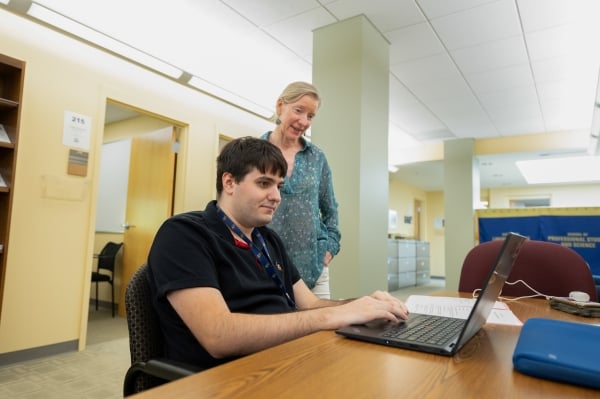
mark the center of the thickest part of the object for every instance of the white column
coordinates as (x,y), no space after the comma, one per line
(350,69)
(461,197)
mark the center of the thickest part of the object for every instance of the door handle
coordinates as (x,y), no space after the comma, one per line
(127,226)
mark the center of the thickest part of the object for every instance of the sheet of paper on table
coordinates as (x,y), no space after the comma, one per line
(459,308)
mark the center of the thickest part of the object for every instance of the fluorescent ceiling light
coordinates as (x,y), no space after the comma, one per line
(4,1)
(561,170)
(91,35)
(230,97)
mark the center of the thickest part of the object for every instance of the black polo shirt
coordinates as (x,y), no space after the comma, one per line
(196,249)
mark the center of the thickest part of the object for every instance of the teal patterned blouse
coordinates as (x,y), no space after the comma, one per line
(307,218)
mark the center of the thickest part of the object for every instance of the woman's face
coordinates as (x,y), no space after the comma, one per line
(296,117)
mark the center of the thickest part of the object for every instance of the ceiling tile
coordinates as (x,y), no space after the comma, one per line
(519,126)
(435,67)
(385,14)
(543,14)
(296,32)
(488,22)
(475,124)
(400,96)
(513,97)
(432,90)
(412,42)
(267,12)
(417,119)
(501,79)
(529,111)
(437,8)
(491,55)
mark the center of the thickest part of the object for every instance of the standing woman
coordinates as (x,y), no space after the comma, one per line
(307,218)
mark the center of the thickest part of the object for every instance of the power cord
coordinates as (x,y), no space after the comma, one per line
(537,293)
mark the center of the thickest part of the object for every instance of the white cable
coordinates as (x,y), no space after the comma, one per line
(537,293)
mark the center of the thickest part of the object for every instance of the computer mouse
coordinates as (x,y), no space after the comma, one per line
(579,296)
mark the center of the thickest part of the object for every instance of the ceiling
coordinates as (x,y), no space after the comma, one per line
(458,69)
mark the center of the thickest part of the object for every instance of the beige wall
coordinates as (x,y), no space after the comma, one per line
(401,199)
(52,241)
(575,195)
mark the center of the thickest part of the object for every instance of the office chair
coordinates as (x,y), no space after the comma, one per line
(148,367)
(547,267)
(106,262)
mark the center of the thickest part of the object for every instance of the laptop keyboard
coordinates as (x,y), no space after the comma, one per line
(431,330)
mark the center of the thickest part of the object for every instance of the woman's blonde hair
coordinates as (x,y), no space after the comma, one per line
(294,91)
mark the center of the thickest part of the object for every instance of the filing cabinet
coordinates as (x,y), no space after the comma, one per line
(392,263)
(408,263)
(422,263)
(407,252)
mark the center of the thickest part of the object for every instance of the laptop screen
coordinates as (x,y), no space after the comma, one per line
(495,281)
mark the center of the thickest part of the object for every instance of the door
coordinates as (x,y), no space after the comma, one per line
(417,205)
(149,198)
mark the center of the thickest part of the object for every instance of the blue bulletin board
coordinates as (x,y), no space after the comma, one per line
(578,232)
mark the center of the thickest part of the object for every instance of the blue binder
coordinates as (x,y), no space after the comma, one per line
(559,350)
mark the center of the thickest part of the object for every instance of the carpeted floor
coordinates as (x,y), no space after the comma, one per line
(95,373)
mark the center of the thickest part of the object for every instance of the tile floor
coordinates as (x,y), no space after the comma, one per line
(97,372)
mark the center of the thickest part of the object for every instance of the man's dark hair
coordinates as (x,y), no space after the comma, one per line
(241,155)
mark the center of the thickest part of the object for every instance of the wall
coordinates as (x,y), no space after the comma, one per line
(401,199)
(52,241)
(575,195)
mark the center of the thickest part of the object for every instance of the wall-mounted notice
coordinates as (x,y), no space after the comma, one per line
(78,163)
(76,130)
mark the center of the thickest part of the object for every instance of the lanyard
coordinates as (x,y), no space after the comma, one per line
(262,256)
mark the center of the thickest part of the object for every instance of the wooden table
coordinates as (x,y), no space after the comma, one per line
(325,365)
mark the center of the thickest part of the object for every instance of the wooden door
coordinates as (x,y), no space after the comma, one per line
(417,205)
(149,198)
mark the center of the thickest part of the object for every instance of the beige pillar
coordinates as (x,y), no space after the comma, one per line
(350,68)
(461,197)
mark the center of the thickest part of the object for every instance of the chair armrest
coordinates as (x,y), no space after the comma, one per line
(160,368)
(168,370)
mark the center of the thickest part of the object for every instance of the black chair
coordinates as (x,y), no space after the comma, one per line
(148,367)
(106,262)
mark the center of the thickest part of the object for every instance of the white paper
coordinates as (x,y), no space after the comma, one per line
(3,135)
(76,131)
(459,308)
(2,182)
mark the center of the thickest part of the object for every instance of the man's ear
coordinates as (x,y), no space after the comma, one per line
(228,182)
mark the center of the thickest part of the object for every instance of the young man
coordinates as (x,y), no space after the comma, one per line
(222,283)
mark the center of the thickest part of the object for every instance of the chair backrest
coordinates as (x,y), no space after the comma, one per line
(549,268)
(108,256)
(145,336)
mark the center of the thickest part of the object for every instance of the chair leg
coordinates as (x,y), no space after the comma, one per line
(96,295)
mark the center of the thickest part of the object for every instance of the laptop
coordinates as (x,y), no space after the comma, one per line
(439,334)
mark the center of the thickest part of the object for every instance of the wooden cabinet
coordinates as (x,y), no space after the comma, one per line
(11,89)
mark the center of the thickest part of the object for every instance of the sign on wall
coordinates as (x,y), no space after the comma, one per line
(578,232)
